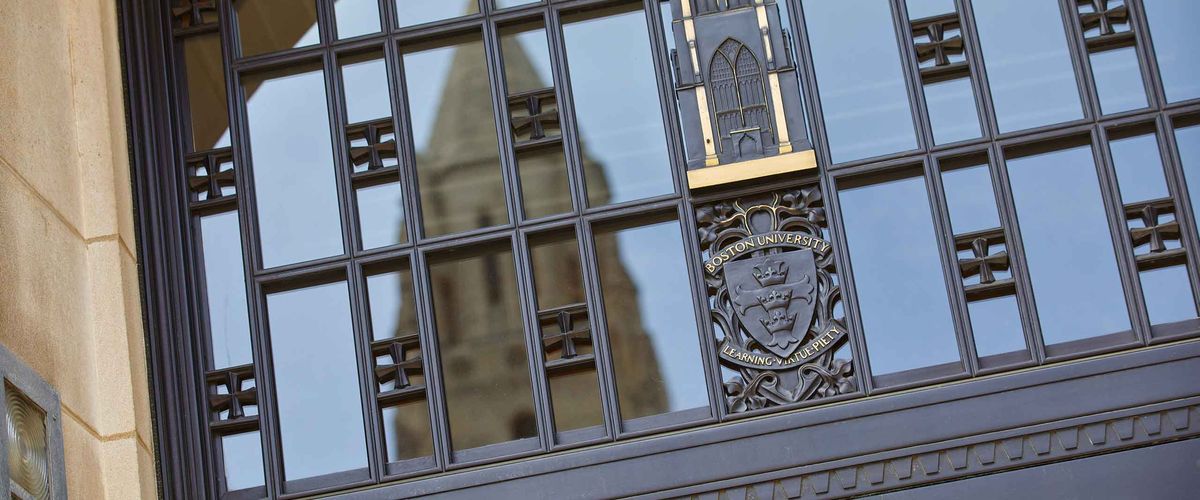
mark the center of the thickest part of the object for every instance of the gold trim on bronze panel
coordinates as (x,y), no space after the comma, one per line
(753,169)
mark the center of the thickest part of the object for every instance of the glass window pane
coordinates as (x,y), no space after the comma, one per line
(242,457)
(952,113)
(225,289)
(476,304)
(970,199)
(295,188)
(316,381)
(558,281)
(501,4)
(1027,61)
(1188,141)
(889,230)
(458,160)
(1168,295)
(545,187)
(406,431)
(393,305)
(356,17)
(365,88)
(1175,38)
(381,216)
(1118,80)
(623,145)
(918,9)
(651,320)
(996,326)
(860,80)
(1068,246)
(414,12)
(1139,168)
(273,25)
(207,106)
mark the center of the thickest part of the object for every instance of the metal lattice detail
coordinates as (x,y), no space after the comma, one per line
(984,263)
(401,364)
(779,265)
(1152,224)
(1105,16)
(534,117)
(211,175)
(233,399)
(192,13)
(564,331)
(736,84)
(939,47)
(372,145)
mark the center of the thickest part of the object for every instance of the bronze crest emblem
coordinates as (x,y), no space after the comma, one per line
(775,296)
(775,300)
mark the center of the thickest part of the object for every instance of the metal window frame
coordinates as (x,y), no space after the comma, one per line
(166,240)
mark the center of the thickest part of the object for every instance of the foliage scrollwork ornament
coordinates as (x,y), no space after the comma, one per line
(775,300)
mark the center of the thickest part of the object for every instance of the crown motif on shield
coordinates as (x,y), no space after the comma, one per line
(772,272)
(779,322)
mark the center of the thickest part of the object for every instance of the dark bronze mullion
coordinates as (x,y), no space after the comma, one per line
(1177,186)
(435,397)
(1119,229)
(951,273)
(534,354)
(974,54)
(1013,244)
(200,328)
(686,211)
(405,148)
(583,232)
(361,319)
(1080,62)
(1077,46)
(517,244)
(566,109)
(912,75)
(1147,59)
(829,186)
(933,184)
(248,216)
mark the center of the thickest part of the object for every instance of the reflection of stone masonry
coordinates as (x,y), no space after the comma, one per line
(456,170)
(775,300)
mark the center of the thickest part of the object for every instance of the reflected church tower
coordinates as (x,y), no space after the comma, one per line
(461,189)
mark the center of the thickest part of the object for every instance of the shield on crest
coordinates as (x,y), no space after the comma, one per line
(775,297)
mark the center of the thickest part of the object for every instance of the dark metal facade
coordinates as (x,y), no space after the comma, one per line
(868,433)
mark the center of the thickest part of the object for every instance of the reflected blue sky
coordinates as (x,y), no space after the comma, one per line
(996,326)
(1168,295)
(1139,168)
(1188,141)
(1118,80)
(652,256)
(366,90)
(898,271)
(225,287)
(898,276)
(295,188)
(356,17)
(1175,38)
(861,84)
(1028,65)
(617,106)
(316,381)
(970,199)
(1068,246)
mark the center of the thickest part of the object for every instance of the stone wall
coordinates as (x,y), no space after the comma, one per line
(69,303)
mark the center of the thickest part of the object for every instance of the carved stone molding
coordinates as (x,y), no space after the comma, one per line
(976,455)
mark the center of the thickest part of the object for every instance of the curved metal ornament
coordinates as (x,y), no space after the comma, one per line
(774,299)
